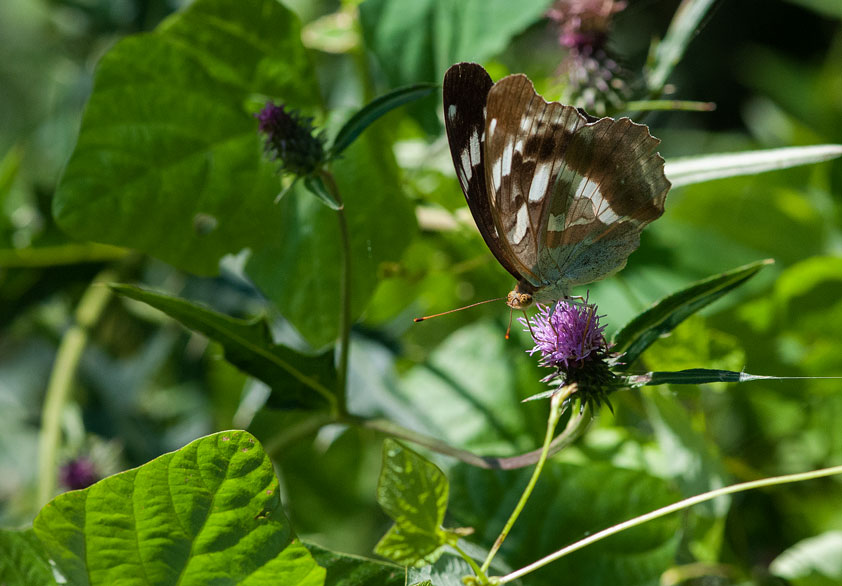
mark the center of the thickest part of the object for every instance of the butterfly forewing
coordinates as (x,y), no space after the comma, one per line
(526,140)
(466,87)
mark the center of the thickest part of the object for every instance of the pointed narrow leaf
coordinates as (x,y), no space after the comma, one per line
(670,50)
(815,561)
(696,376)
(317,187)
(689,170)
(297,381)
(670,311)
(413,492)
(23,561)
(375,109)
(209,513)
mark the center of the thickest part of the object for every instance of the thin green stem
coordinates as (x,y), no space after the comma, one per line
(663,511)
(673,105)
(344,296)
(552,421)
(73,343)
(574,429)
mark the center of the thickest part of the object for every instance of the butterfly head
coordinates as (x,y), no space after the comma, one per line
(520,297)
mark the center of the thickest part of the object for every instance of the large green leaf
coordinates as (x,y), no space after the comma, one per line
(348,570)
(168,159)
(299,268)
(23,561)
(297,381)
(209,513)
(413,492)
(665,314)
(570,502)
(417,41)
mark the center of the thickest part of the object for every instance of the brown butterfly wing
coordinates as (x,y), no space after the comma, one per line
(526,142)
(466,87)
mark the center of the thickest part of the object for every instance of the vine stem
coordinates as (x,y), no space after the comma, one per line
(663,511)
(556,407)
(344,296)
(574,429)
(73,342)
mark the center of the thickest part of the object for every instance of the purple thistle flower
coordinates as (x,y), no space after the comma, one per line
(291,140)
(572,342)
(78,473)
(592,78)
(566,335)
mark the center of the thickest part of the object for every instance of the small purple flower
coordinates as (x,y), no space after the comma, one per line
(571,341)
(290,139)
(78,473)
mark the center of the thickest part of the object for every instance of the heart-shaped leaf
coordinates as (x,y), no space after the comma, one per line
(207,513)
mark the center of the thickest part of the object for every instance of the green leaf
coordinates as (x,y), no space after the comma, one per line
(317,187)
(670,311)
(22,560)
(207,513)
(570,502)
(697,376)
(297,381)
(417,41)
(690,170)
(348,570)
(665,55)
(299,267)
(816,561)
(413,492)
(374,110)
(168,135)
(829,8)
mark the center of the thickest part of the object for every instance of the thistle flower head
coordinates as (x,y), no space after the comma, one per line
(592,79)
(291,139)
(571,341)
(78,473)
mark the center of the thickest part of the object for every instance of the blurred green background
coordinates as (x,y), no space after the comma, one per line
(146,386)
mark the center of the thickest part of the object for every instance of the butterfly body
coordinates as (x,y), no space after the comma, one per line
(560,198)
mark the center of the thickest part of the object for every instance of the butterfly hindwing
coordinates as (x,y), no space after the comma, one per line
(466,87)
(614,185)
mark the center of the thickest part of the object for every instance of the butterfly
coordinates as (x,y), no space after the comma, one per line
(559,197)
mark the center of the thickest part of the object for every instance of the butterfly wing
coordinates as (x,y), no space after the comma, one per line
(571,194)
(466,87)
(611,186)
(526,142)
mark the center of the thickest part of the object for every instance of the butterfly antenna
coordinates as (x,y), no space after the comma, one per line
(509,328)
(418,319)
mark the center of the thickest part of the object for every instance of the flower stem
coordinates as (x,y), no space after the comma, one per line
(556,404)
(663,511)
(73,342)
(344,296)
